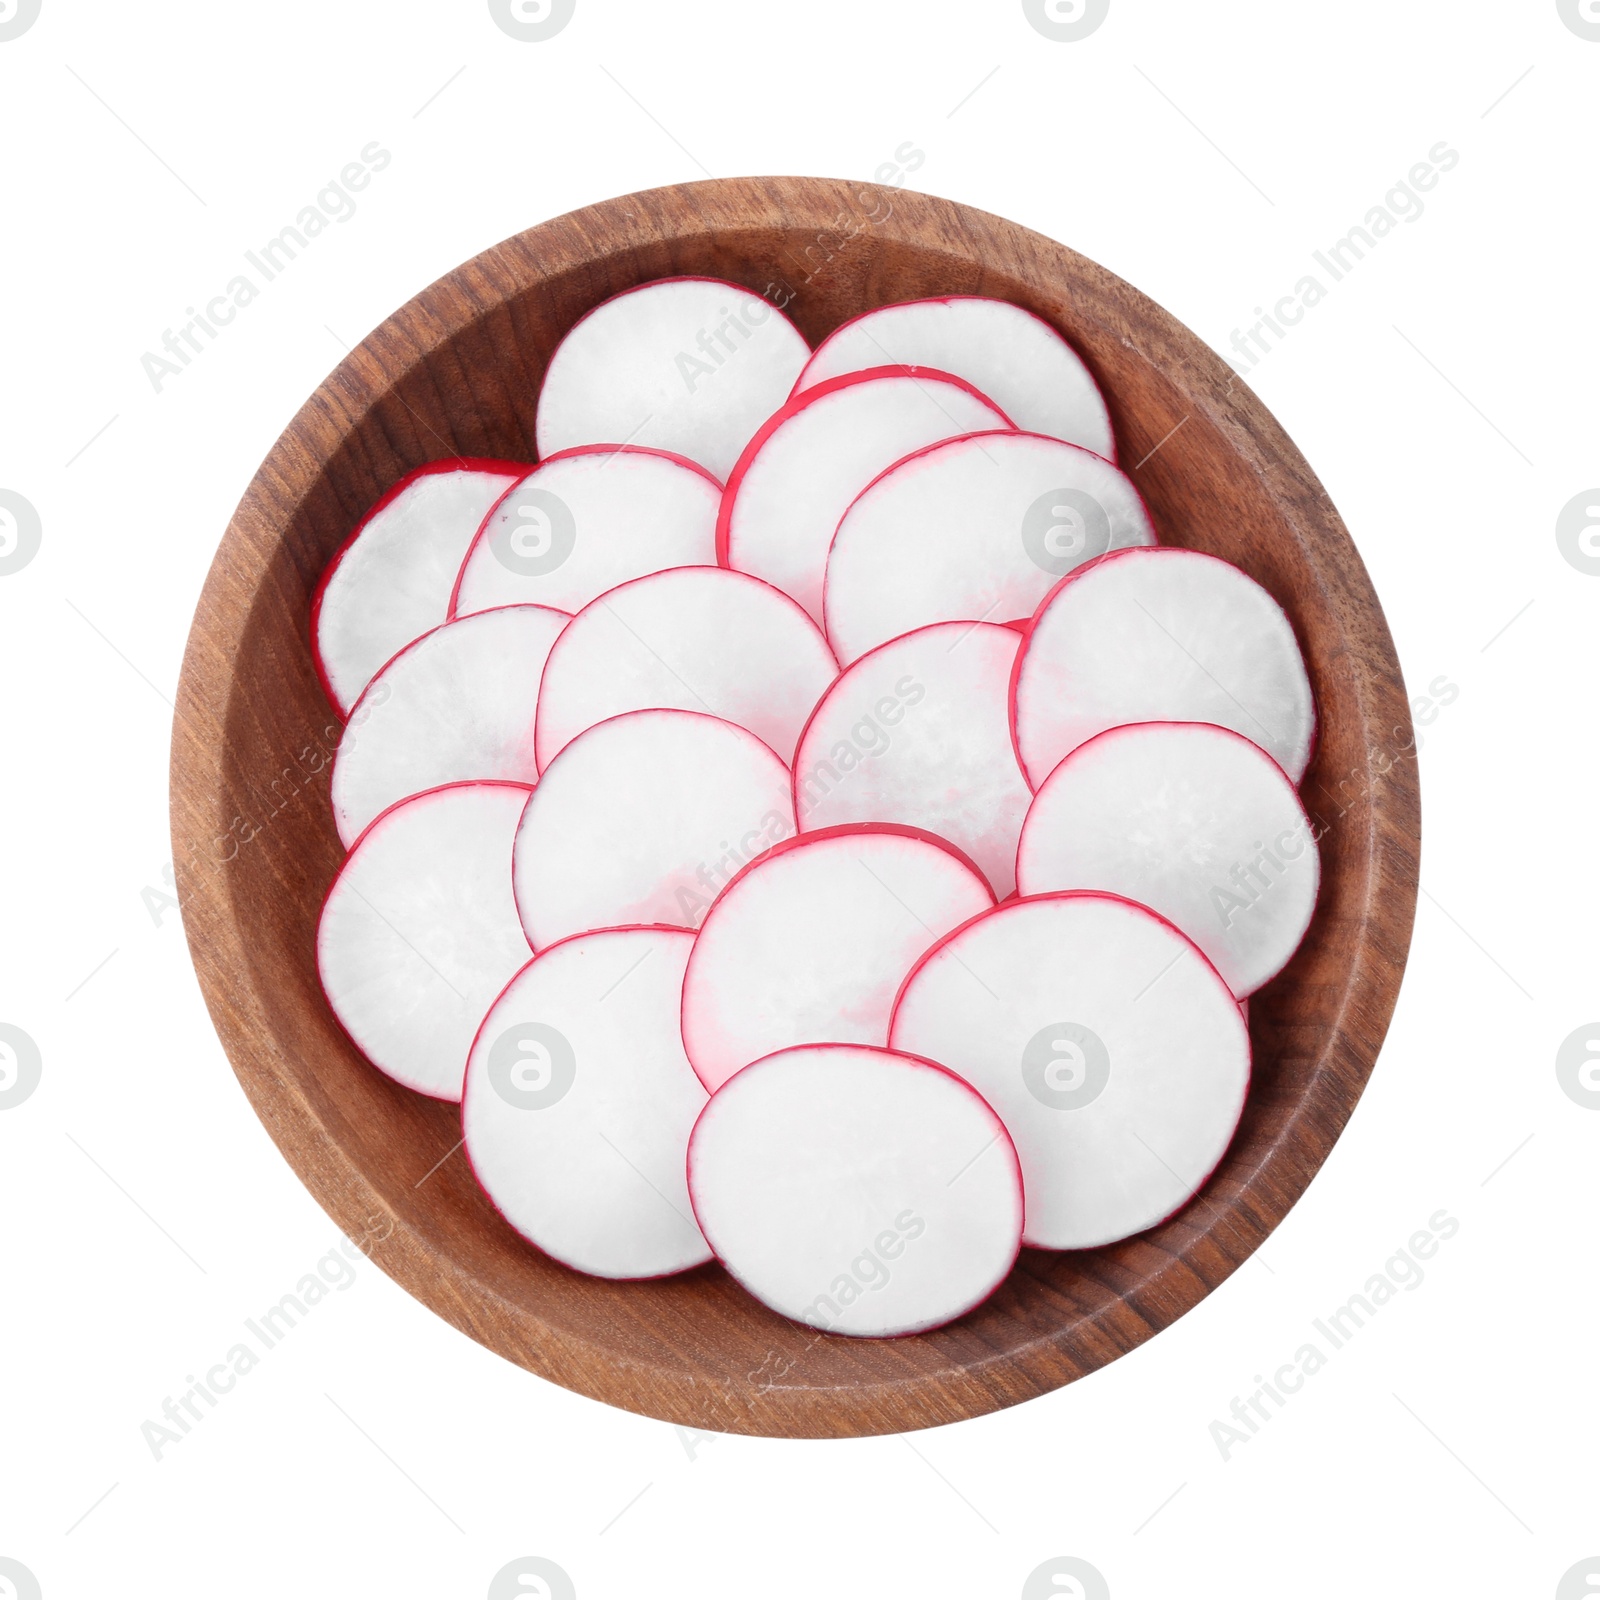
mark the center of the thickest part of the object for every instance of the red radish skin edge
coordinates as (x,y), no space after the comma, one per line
(902,1055)
(797,403)
(950,300)
(626,927)
(1097,894)
(428,469)
(1232,733)
(1112,555)
(1021,625)
(835,831)
(1011,719)
(564,455)
(467,783)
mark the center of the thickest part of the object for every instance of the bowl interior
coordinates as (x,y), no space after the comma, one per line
(457,372)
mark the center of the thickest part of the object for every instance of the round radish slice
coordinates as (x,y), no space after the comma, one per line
(975,529)
(809,944)
(695,639)
(1105,1040)
(1160,636)
(586,521)
(856,1190)
(579,1103)
(811,459)
(390,581)
(685,364)
(420,932)
(1191,820)
(916,732)
(1008,353)
(642,819)
(458,703)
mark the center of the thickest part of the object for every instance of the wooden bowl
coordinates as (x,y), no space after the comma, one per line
(456,372)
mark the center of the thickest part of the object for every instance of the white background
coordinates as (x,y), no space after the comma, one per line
(1440,393)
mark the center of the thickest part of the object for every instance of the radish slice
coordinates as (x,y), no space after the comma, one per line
(809,943)
(579,1103)
(1191,820)
(1160,636)
(390,580)
(1105,1040)
(798,475)
(1008,353)
(458,703)
(916,732)
(856,1190)
(586,521)
(697,639)
(975,529)
(419,932)
(684,364)
(642,819)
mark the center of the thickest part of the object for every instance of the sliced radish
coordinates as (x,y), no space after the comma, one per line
(579,1103)
(697,639)
(812,458)
(642,819)
(685,364)
(391,579)
(916,732)
(585,521)
(856,1190)
(1160,636)
(1105,1040)
(974,529)
(420,932)
(1191,820)
(458,703)
(809,943)
(1011,355)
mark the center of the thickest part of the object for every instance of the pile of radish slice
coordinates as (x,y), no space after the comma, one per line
(808,821)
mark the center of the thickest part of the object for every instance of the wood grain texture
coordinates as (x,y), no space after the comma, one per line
(457,371)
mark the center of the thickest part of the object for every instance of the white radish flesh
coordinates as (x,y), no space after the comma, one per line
(419,932)
(798,475)
(456,704)
(916,732)
(975,529)
(1105,1040)
(810,942)
(691,365)
(694,639)
(1160,635)
(642,819)
(585,521)
(1191,820)
(579,1103)
(856,1190)
(1016,358)
(391,580)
